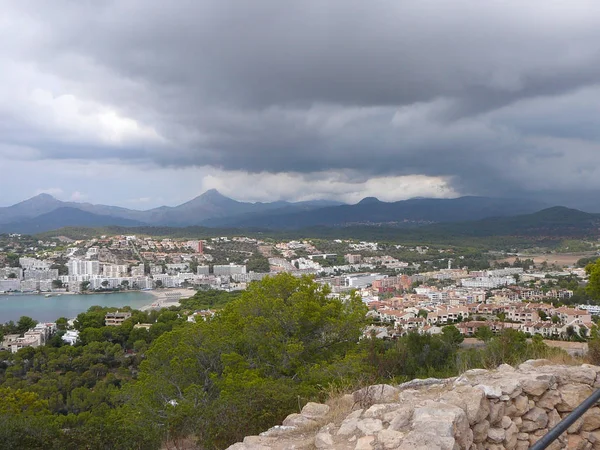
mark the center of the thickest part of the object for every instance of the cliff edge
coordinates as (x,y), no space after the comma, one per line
(505,408)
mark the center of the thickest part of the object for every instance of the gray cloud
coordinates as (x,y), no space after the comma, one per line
(496,98)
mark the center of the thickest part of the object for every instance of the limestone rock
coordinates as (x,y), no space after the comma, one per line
(496,435)
(426,441)
(506,422)
(380,410)
(521,404)
(591,419)
(323,440)
(480,431)
(549,400)
(348,427)
(401,418)
(389,439)
(535,419)
(369,426)
(297,421)
(315,410)
(496,412)
(538,384)
(470,399)
(365,443)
(572,396)
(447,421)
(511,436)
(379,393)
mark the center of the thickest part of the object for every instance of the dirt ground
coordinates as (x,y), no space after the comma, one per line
(559,259)
(573,348)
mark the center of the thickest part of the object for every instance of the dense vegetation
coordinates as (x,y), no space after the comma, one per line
(269,350)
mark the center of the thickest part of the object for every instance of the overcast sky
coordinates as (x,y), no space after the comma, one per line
(140,103)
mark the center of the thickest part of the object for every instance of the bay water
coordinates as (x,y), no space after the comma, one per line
(48,309)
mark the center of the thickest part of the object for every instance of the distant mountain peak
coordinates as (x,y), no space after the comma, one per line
(43,196)
(213,194)
(368,200)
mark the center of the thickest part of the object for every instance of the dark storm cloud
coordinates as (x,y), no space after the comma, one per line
(497,97)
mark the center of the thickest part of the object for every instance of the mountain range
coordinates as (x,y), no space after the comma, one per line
(212,209)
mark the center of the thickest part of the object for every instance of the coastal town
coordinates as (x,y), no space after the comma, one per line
(424,291)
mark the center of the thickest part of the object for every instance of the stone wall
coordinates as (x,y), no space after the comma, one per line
(506,408)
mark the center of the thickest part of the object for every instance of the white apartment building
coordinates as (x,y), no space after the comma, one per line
(487,282)
(138,271)
(229,269)
(114,270)
(82,267)
(33,263)
(203,270)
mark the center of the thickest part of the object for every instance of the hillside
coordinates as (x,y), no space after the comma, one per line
(209,205)
(551,222)
(506,408)
(62,217)
(405,213)
(546,227)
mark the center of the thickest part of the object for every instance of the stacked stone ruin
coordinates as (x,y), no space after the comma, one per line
(506,408)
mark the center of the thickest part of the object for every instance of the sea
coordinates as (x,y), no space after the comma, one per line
(48,309)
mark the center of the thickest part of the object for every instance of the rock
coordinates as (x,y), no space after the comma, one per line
(348,427)
(470,399)
(389,439)
(576,442)
(517,421)
(278,430)
(315,410)
(535,419)
(506,422)
(537,385)
(364,443)
(496,435)
(591,419)
(505,368)
(510,436)
(572,396)
(323,440)
(521,404)
(490,391)
(355,414)
(580,374)
(496,412)
(549,400)
(553,418)
(447,421)
(426,441)
(426,382)
(369,426)
(379,393)
(522,445)
(379,411)
(401,418)
(480,431)
(297,421)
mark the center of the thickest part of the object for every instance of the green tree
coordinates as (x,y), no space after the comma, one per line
(593,273)
(484,333)
(243,370)
(62,323)
(57,284)
(25,323)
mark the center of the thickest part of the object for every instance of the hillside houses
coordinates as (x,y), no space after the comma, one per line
(414,312)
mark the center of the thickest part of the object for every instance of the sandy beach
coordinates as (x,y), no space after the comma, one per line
(165,298)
